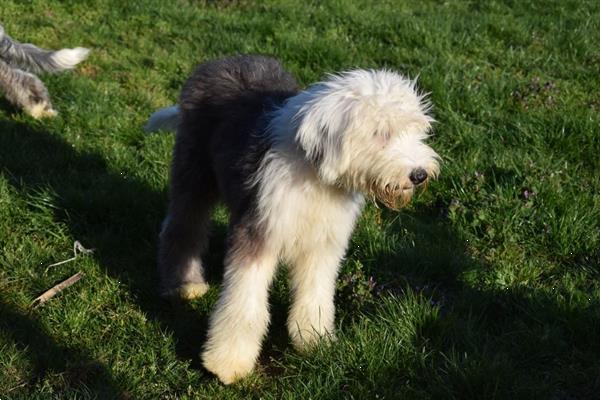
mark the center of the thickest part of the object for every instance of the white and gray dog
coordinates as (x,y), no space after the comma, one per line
(23,88)
(293,167)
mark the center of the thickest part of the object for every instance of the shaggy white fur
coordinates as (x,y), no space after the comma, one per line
(69,58)
(356,134)
(240,319)
(367,131)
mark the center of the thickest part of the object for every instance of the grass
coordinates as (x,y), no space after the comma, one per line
(487,286)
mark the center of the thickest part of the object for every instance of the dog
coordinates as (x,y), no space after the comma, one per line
(294,168)
(19,62)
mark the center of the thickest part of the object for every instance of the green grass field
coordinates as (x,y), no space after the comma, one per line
(486,286)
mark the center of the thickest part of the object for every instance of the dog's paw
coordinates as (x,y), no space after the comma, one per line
(41,110)
(187,291)
(228,368)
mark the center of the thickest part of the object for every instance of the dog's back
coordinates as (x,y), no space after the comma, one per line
(228,89)
(235,87)
(224,109)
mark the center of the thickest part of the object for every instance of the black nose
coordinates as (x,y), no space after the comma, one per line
(417,176)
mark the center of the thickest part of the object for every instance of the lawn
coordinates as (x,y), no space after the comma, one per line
(486,286)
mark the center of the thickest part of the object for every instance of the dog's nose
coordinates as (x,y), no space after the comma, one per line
(417,176)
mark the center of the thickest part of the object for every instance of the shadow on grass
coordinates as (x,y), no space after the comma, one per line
(487,342)
(106,210)
(74,366)
(518,342)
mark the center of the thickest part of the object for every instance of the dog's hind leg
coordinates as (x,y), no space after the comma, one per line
(184,235)
(26,91)
(241,317)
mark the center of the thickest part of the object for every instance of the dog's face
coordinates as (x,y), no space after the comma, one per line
(366,131)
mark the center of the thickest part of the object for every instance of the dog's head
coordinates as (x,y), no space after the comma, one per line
(365,130)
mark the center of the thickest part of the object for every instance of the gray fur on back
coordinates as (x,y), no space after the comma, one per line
(225,106)
(18,64)
(21,87)
(26,56)
(221,139)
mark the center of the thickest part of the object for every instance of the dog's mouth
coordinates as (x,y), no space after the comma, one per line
(395,196)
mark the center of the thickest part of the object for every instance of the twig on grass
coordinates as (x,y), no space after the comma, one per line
(20,385)
(77,249)
(48,294)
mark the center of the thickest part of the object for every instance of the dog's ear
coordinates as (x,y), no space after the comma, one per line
(320,123)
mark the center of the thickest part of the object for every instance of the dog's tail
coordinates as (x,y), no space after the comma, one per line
(165,119)
(32,58)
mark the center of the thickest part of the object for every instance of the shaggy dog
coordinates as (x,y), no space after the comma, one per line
(23,89)
(293,167)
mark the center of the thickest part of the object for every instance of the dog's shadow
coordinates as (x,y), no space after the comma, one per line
(46,355)
(8,106)
(425,255)
(109,211)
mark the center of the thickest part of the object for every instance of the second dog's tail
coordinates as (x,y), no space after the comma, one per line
(34,59)
(165,119)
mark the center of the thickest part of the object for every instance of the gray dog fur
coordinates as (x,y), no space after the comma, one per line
(19,62)
(293,167)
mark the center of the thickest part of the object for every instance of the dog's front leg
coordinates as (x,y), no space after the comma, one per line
(312,281)
(241,317)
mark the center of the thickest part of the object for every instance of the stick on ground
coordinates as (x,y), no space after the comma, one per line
(48,294)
